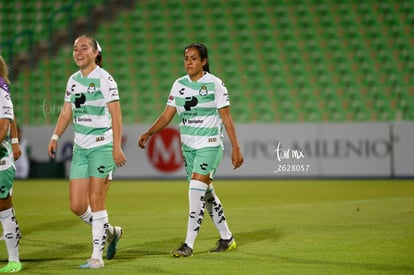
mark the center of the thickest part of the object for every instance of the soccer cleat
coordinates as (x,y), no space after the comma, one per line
(225,245)
(92,264)
(12,267)
(113,242)
(183,251)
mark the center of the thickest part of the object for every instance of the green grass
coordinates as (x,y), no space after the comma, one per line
(281,227)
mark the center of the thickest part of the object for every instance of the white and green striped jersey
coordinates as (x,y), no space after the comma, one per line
(89,97)
(197,105)
(6,111)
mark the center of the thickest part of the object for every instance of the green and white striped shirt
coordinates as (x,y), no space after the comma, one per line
(197,105)
(89,97)
(6,111)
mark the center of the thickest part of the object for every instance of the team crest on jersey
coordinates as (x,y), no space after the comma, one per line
(91,88)
(203,91)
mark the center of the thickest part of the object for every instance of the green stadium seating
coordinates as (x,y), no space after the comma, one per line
(287,61)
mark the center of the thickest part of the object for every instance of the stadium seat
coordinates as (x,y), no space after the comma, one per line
(304,61)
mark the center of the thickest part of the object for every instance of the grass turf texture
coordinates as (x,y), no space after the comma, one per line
(281,227)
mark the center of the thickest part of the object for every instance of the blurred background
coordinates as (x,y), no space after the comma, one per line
(304,61)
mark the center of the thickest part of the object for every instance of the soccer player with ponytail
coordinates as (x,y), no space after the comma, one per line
(92,103)
(202,103)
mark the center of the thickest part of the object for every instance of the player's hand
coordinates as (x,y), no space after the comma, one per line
(119,156)
(142,140)
(17,152)
(237,158)
(51,149)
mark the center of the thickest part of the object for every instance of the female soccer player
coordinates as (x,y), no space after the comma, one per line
(202,103)
(8,220)
(92,102)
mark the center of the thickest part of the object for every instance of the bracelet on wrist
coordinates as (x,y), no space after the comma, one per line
(14,141)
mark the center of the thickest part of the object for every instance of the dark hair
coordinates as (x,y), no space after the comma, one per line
(98,59)
(202,51)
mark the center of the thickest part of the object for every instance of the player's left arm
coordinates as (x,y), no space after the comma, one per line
(223,105)
(236,156)
(114,108)
(14,136)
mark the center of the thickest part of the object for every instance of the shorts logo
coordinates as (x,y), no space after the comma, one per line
(101,169)
(203,166)
(99,139)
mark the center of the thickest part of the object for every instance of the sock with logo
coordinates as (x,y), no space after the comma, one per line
(216,212)
(11,233)
(196,193)
(99,231)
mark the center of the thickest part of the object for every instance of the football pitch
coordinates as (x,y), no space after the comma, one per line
(281,227)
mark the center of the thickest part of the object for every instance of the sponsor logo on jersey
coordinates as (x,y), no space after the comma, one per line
(181,92)
(114,92)
(191,101)
(192,121)
(7,110)
(100,139)
(213,139)
(84,119)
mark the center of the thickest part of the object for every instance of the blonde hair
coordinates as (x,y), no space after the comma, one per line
(4,70)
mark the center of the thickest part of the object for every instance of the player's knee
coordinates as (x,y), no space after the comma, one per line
(78,209)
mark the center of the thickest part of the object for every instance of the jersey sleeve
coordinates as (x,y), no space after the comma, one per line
(222,95)
(109,89)
(6,110)
(171,97)
(68,91)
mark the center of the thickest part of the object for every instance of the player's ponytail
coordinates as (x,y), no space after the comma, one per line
(202,51)
(98,59)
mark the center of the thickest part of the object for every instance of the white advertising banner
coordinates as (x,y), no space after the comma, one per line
(355,150)
(403,141)
(270,150)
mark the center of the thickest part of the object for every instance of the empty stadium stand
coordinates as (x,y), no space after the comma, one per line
(282,61)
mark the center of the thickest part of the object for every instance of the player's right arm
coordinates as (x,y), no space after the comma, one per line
(61,125)
(162,121)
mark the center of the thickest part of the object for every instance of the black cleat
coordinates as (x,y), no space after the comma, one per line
(225,245)
(183,251)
